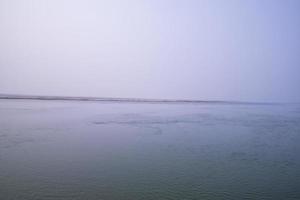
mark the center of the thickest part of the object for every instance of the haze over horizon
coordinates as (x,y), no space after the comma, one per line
(206,50)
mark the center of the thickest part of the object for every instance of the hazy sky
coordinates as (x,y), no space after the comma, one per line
(245,50)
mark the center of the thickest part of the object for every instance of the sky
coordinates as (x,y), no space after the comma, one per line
(242,50)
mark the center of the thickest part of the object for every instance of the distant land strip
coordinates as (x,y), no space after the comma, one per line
(125,100)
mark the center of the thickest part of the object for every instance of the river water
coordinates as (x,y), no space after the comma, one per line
(115,151)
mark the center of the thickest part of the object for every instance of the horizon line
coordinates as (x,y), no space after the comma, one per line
(123,99)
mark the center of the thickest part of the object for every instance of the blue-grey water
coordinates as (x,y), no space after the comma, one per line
(115,151)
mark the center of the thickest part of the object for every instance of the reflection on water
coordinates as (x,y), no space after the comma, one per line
(90,150)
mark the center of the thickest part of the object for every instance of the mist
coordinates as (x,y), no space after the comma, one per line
(208,50)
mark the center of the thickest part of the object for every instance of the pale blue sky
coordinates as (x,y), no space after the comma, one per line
(191,49)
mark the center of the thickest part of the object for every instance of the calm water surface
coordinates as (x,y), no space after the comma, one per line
(110,151)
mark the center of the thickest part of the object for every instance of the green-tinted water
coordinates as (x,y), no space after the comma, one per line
(84,150)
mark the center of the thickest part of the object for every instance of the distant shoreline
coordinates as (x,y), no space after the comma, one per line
(125,100)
